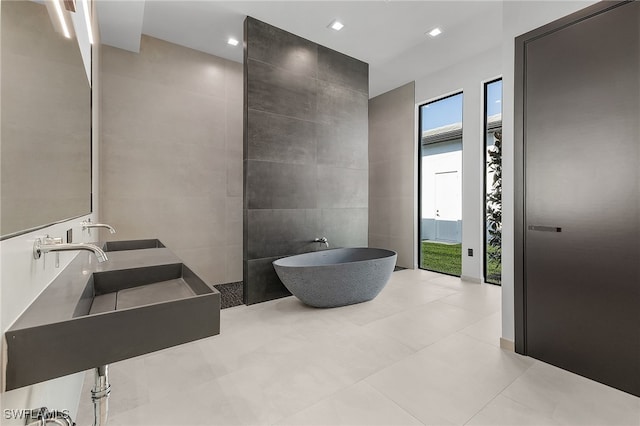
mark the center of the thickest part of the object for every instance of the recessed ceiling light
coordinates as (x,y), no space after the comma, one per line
(435,32)
(232,41)
(336,25)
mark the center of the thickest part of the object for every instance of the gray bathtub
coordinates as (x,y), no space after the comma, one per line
(336,277)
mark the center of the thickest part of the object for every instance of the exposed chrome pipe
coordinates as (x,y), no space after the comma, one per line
(100,396)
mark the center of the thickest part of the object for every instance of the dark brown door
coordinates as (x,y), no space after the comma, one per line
(582,197)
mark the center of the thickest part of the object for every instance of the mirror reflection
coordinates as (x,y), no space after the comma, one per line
(45,157)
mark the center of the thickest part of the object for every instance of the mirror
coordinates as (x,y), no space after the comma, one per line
(45,152)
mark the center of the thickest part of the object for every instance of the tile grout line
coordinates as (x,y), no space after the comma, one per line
(498,394)
(413,307)
(527,406)
(392,401)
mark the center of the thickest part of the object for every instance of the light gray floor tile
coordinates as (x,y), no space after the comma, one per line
(426,350)
(359,404)
(480,298)
(488,329)
(573,400)
(502,411)
(452,379)
(423,325)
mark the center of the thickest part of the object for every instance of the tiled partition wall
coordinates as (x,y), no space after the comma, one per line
(392,155)
(305,152)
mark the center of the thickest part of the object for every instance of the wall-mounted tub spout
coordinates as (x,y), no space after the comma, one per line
(322,240)
(47,244)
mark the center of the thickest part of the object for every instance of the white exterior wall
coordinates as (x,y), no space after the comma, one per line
(443,157)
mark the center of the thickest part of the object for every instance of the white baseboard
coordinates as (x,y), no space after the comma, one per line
(507,344)
(471,279)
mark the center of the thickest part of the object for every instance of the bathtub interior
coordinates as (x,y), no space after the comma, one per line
(334,257)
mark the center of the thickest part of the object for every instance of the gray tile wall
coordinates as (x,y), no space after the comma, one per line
(392,156)
(306,169)
(171,156)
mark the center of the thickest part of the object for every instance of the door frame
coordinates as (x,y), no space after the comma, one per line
(520,284)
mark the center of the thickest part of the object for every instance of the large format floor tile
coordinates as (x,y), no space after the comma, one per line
(573,400)
(425,351)
(423,325)
(359,404)
(486,329)
(502,411)
(451,379)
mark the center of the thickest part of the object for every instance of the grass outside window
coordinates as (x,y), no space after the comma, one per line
(447,258)
(441,257)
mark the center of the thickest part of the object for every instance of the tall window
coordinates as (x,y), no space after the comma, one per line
(440,183)
(493,181)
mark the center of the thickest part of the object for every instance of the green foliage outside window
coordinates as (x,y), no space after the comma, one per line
(494,212)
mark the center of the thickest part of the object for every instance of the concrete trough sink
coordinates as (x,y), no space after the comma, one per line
(115,315)
(125,245)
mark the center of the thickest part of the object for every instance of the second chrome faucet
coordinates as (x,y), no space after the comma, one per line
(87,224)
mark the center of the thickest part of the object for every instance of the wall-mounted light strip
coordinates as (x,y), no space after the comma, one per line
(87,18)
(63,23)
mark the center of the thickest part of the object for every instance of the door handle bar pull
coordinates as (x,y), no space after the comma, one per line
(544,228)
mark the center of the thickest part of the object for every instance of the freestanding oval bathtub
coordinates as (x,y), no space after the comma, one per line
(337,277)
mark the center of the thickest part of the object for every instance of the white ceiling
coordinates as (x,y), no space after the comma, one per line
(389,35)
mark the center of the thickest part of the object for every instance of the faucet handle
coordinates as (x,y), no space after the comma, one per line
(51,240)
(46,240)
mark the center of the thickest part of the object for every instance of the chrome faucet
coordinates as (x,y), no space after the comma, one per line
(48,244)
(86,224)
(322,240)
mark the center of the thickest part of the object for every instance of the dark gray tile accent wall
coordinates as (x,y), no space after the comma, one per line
(306,169)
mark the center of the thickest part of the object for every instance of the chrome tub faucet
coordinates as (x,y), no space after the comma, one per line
(322,240)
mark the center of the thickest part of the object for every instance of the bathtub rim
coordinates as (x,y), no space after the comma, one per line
(389,254)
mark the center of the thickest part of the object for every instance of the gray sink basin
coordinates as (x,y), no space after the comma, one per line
(132,245)
(130,288)
(119,314)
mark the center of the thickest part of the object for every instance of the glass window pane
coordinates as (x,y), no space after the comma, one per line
(493,182)
(440,224)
